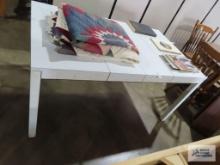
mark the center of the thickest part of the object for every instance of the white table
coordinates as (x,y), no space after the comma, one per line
(47,64)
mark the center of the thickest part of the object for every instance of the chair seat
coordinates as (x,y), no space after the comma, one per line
(189,54)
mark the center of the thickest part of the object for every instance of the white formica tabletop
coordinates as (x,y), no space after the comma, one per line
(150,69)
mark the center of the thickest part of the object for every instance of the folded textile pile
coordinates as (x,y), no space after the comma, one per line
(79,33)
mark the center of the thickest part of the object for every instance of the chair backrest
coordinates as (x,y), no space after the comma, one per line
(200,32)
(206,58)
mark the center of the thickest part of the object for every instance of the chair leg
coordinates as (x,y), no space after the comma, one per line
(173,107)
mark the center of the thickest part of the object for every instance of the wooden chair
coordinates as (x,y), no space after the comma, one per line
(210,114)
(206,58)
(174,156)
(200,32)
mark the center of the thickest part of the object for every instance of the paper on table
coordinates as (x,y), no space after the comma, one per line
(165,46)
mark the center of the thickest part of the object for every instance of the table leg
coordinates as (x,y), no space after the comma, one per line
(171,109)
(34,102)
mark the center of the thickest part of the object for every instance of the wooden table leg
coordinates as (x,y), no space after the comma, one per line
(2,8)
(34,102)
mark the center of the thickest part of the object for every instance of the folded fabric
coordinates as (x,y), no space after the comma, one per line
(95,30)
(123,56)
(116,46)
(66,50)
(63,37)
(60,29)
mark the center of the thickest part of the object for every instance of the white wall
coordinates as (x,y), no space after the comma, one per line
(213,20)
(191,11)
(98,7)
(158,15)
(129,10)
